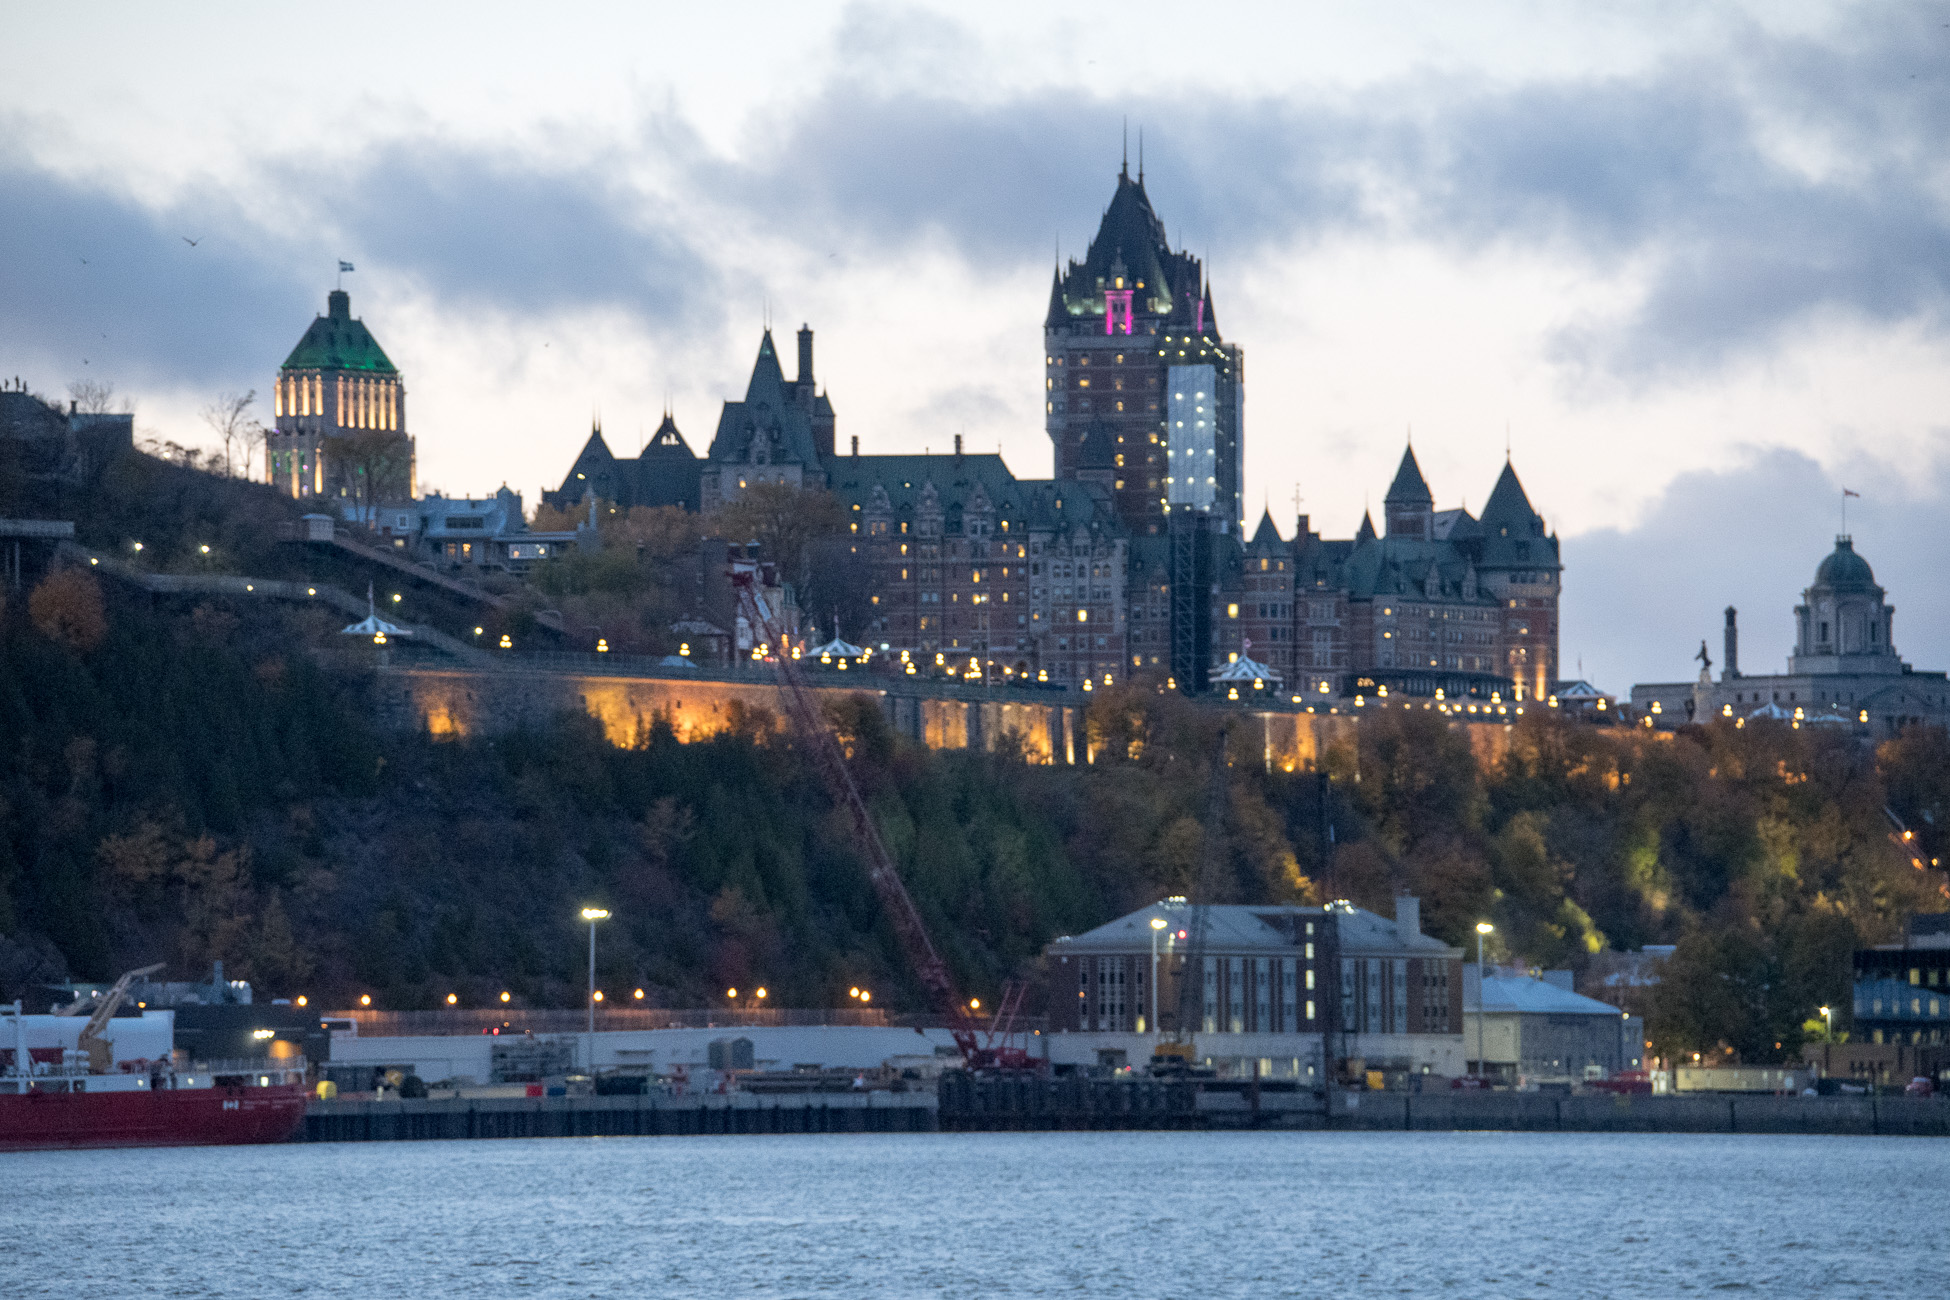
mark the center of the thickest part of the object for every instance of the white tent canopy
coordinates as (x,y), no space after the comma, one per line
(373,626)
(1244,669)
(836,649)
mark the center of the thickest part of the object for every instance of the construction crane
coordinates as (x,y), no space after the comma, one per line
(982,1048)
(92,1042)
(1177,1050)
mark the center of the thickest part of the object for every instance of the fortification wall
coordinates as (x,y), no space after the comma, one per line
(468,702)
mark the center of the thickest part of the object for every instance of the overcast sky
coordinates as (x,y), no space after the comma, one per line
(1690,259)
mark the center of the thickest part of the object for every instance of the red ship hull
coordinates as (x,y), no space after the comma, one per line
(169,1117)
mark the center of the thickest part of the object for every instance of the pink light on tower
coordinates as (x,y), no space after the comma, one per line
(1113,299)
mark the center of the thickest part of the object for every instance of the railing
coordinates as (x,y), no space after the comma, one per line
(402,1024)
(399,1024)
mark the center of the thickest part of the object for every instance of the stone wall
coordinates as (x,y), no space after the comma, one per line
(466,702)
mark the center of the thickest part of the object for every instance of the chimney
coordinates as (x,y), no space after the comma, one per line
(856,445)
(1730,669)
(958,446)
(1408,916)
(805,355)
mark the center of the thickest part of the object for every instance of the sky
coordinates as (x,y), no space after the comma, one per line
(1688,262)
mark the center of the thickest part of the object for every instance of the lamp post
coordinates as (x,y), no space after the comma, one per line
(1157,928)
(1828,1040)
(1482,928)
(592,915)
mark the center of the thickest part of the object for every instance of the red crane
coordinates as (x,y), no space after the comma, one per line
(981,1048)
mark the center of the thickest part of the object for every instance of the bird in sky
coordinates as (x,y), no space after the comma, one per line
(84,261)
(191,242)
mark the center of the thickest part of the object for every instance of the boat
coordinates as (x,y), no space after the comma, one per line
(119,1082)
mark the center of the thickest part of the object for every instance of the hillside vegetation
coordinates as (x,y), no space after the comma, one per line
(180,782)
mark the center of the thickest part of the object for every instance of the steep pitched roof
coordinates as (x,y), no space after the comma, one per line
(1266,535)
(1366,532)
(1512,533)
(768,425)
(1409,487)
(1508,502)
(336,341)
(898,485)
(667,441)
(1131,242)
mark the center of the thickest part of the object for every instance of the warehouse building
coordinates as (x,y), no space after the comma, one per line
(1523,1029)
(1303,993)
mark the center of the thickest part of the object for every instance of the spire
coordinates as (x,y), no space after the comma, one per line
(1058,313)
(1124,172)
(1409,487)
(1365,533)
(1140,157)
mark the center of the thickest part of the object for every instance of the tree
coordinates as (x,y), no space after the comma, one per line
(93,397)
(785,521)
(378,467)
(67,607)
(238,431)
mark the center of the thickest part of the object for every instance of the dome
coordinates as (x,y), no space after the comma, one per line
(1844,568)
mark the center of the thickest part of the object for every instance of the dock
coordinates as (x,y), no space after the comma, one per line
(650,1115)
(1025,1103)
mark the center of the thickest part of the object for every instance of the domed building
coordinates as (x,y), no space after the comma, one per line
(1844,671)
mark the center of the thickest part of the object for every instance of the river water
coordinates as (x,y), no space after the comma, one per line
(1068,1214)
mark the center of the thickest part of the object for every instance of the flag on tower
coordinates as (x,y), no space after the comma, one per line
(344,267)
(1847,493)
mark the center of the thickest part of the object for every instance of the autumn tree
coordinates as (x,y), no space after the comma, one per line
(67,607)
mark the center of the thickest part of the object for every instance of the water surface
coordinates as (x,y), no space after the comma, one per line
(1072,1214)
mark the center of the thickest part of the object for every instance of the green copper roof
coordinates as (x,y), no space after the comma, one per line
(336,341)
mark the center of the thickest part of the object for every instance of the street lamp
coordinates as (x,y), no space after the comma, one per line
(592,915)
(1157,928)
(1828,1043)
(1482,928)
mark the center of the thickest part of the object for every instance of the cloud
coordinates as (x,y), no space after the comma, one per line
(94,282)
(1638,601)
(1672,181)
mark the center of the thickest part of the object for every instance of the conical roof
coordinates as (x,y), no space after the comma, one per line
(1267,534)
(1508,502)
(1366,532)
(1409,487)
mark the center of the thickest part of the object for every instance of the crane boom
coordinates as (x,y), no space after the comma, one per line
(979,1049)
(1177,1048)
(91,1040)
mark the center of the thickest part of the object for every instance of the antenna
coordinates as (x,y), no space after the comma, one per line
(1140,155)
(1127,145)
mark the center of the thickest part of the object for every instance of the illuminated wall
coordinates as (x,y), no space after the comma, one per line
(459,702)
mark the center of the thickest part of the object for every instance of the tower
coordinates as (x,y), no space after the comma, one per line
(340,410)
(1141,393)
(1843,624)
